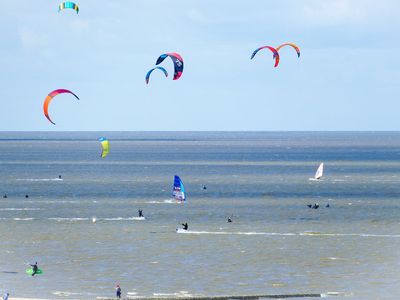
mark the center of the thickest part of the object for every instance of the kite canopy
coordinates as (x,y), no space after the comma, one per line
(105,146)
(149,72)
(70,5)
(176,59)
(295,47)
(50,97)
(276,54)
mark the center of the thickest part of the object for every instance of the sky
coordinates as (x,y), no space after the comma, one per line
(347,77)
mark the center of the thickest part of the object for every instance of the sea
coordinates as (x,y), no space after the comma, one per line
(84,232)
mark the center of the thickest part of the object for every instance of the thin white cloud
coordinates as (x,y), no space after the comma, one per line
(30,38)
(79,25)
(336,12)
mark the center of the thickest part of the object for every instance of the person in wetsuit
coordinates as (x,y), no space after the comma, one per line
(34,268)
(230,220)
(118,291)
(140,211)
(185,226)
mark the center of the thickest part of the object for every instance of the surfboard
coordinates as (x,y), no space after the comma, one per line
(30,271)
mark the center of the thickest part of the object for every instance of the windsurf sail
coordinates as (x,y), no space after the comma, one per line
(179,189)
(320,171)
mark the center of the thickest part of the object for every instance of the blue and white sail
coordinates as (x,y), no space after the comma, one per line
(179,189)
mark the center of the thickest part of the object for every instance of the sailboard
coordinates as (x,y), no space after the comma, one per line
(318,175)
(178,191)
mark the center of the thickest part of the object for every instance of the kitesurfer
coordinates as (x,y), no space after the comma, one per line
(140,211)
(204,187)
(309,205)
(5,196)
(185,226)
(5,297)
(26,196)
(118,291)
(34,268)
(229,219)
(59,176)
(327,205)
(315,206)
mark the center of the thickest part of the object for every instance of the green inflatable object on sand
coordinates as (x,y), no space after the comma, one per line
(30,271)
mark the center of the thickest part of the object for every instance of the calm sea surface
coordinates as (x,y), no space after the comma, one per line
(274,245)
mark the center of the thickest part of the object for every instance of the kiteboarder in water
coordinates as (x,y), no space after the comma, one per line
(229,219)
(315,206)
(34,268)
(140,211)
(185,226)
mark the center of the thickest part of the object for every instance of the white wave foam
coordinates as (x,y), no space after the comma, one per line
(65,294)
(167,201)
(313,234)
(177,294)
(22,219)
(19,209)
(180,230)
(68,219)
(39,179)
(124,219)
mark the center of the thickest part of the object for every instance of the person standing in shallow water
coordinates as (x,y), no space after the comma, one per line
(118,291)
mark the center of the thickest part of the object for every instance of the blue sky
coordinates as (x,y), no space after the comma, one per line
(346,79)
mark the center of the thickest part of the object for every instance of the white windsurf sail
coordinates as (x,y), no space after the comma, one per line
(320,172)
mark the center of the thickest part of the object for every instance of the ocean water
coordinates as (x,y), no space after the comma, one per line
(275,244)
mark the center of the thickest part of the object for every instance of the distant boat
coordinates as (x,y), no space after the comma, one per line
(318,175)
(178,191)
